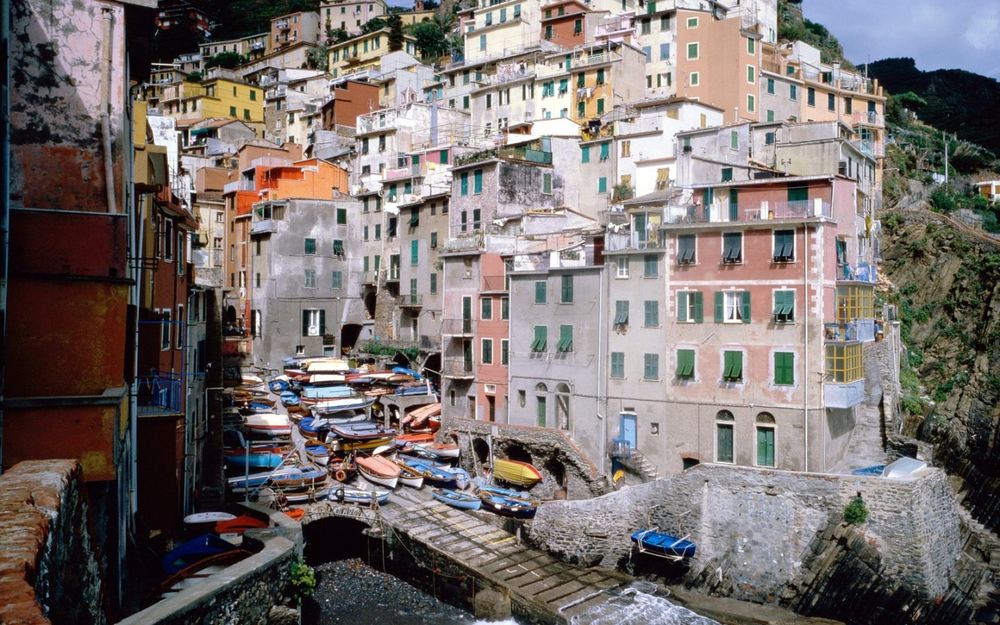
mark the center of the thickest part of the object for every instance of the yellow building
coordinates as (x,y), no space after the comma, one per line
(364,52)
(189,102)
(415,17)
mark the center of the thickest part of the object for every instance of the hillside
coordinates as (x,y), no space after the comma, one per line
(956,100)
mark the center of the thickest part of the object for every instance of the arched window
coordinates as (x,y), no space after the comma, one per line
(764,440)
(562,405)
(724,436)
(541,398)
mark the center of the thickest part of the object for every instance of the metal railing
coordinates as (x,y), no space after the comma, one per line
(721,212)
(456,327)
(458,367)
(410,300)
(870,118)
(160,393)
(623,241)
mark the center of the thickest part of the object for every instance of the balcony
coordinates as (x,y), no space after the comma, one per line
(844,384)
(870,148)
(458,367)
(456,327)
(263,226)
(516,153)
(411,300)
(399,173)
(722,212)
(860,330)
(869,118)
(633,241)
(160,394)
(281,24)
(860,272)
(370,277)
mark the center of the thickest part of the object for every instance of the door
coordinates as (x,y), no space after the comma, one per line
(466,315)
(734,203)
(765,447)
(627,430)
(491,407)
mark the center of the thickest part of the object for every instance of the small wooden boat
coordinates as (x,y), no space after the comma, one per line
(279,384)
(516,472)
(434,422)
(268,424)
(438,450)
(507,505)
(342,469)
(241,483)
(331,406)
(379,470)
(414,437)
(239,524)
(306,496)
(456,499)
(288,398)
(409,476)
(194,550)
(326,379)
(341,445)
(192,574)
(357,495)
(308,477)
(507,492)
(443,475)
(254,460)
(318,454)
(659,543)
(361,430)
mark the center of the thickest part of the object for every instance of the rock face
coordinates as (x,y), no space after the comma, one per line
(947,280)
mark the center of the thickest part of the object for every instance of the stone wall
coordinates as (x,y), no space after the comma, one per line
(754,527)
(252,591)
(550,451)
(48,571)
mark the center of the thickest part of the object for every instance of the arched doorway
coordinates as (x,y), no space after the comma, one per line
(562,406)
(482,450)
(349,334)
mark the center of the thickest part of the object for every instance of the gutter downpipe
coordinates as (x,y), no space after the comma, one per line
(805,357)
(109,172)
(5,199)
(601,382)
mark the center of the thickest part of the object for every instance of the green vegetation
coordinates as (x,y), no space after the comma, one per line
(303,579)
(856,512)
(377,348)
(948,199)
(395,33)
(793,27)
(228,60)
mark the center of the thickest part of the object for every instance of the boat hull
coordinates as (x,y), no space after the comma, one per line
(456,499)
(515,472)
(663,544)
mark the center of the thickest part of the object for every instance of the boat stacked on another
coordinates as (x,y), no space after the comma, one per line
(456,499)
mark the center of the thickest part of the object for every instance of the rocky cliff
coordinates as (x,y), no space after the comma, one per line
(947,288)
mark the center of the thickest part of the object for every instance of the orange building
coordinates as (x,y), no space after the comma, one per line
(563,23)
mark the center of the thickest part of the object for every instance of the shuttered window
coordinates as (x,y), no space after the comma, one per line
(651,366)
(652,314)
(565,339)
(540,292)
(618,364)
(567,290)
(765,447)
(784,306)
(723,442)
(621,313)
(732,247)
(540,340)
(784,368)
(685,363)
(690,307)
(685,249)
(732,366)
(784,246)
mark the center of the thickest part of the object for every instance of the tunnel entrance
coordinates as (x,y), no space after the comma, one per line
(335,538)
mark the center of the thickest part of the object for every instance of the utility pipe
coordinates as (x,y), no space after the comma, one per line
(106,70)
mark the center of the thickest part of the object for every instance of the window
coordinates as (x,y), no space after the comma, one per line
(167,239)
(600,76)
(848,105)
(685,364)
(751,45)
(313,322)
(769,136)
(547,183)
(567,290)
(487,351)
(784,306)
(732,366)
(724,436)
(732,307)
(652,314)
(600,106)
(341,216)
(605,151)
(246,113)
(645,27)
(621,313)
(692,22)
(540,292)
(647,51)
(337,281)
(751,74)
(581,108)
(309,281)
(465,102)
(765,440)
(482,43)
(694,79)
(650,366)
(477,181)
(831,102)
(310,246)
(364,233)
(602,184)
(784,368)
(165,327)
(540,339)
(692,51)
(664,23)
(585,154)
(489,101)
(540,408)
(732,247)
(486,308)
(232,111)
(464,180)
(618,364)
(414,253)
(784,246)
(690,307)
(727,174)
(650,266)
(811,96)
(770,84)
(434,283)
(565,339)
(664,51)
(751,103)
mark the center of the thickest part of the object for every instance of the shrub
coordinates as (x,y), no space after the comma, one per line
(856,512)
(303,579)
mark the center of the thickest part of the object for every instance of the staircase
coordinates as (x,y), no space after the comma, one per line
(633,460)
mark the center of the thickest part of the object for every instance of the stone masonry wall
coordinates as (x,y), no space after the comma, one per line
(48,571)
(753,527)
(547,450)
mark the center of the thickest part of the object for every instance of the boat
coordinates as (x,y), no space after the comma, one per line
(507,492)
(268,424)
(327,379)
(332,406)
(516,472)
(194,573)
(239,524)
(318,454)
(241,483)
(306,496)
(357,495)
(279,385)
(342,469)
(288,398)
(360,430)
(418,416)
(379,470)
(308,477)
(409,476)
(442,475)
(506,505)
(311,427)
(199,518)
(410,372)
(313,394)
(261,407)
(659,543)
(254,460)
(194,550)
(438,450)
(456,499)
(874,470)
(341,445)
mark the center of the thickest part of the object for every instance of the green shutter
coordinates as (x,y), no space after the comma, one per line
(602,185)
(652,314)
(541,338)
(682,305)
(444,157)
(798,194)
(465,183)
(605,150)
(486,308)
(784,368)
(341,216)
(719,307)
(585,154)
(414,252)
(746,306)
(699,312)
(477,186)
(565,338)
(685,363)
(322,322)
(651,367)
(765,447)
(487,352)
(567,289)
(617,364)
(540,292)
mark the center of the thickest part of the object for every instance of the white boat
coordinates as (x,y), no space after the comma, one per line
(413,481)
(378,470)
(332,365)
(268,424)
(207,517)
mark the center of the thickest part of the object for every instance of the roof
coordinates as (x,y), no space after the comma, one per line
(651,102)
(658,196)
(765,181)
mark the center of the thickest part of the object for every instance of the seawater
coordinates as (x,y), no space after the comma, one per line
(349,592)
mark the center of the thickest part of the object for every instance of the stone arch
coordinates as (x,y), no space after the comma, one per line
(329,538)
(765,418)
(724,415)
(482,449)
(562,405)
(557,470)
(516,451)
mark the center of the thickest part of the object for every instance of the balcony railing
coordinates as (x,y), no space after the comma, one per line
(410,300)
(861,330)
(161,393)
(263,226)
(625,241)
(456,327)
(459,367)
(722,212)
(860,272)
(518,153)
(869,118)
(399,173)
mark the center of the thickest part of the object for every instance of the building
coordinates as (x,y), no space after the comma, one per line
(364,52)
(190,102)
(300,27)
(350,15)
(183,14)
(250,47)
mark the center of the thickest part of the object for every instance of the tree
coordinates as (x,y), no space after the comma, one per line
(318,58)
(395,33)
(228,60)
(375,23)
(194,76)
(431,40)
(336,35)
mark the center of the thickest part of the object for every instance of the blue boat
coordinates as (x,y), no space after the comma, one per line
(278,386)
(194,550)
(517,507)
(356,495)
(289,398)
(455,499)
(873,471)
(319,393)
(499,490)
(409,372)
(241,483)
(442,475)
(313,428)
(256,461)
(659,543)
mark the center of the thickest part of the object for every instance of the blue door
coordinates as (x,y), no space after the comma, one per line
(627,430)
